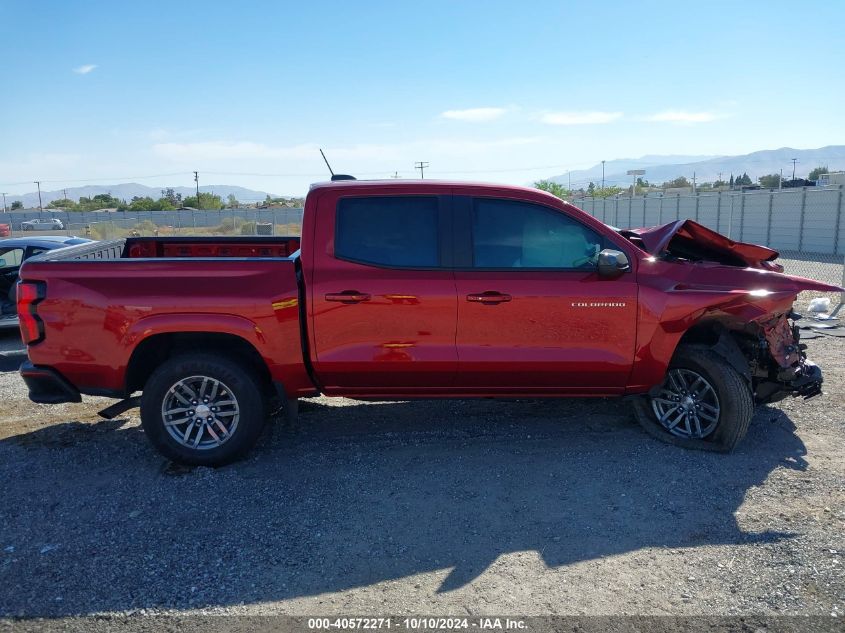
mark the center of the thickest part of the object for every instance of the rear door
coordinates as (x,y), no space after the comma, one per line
(533,314)
(383,299)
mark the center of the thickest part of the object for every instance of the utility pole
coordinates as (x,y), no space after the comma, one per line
(780,180)
(569,175)
(197,180)
(693,183)
(40,208)
(421,165)
(64,193)
(395,175)
(4,202)
(602,174)
(794,160)
(720,176)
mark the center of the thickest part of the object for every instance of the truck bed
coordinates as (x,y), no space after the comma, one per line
(114,295)
(248,247)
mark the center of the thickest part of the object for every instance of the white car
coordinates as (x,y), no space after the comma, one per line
(42,224)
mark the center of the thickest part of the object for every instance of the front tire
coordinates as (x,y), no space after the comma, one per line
(203,410)
(703,403)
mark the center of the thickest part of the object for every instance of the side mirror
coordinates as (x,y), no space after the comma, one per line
(612,263)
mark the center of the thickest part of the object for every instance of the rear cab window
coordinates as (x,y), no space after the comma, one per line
(389,231)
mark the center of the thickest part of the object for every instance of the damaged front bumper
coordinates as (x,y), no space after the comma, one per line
(807,382)
(794,375)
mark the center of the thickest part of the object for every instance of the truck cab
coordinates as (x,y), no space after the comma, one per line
(414,289)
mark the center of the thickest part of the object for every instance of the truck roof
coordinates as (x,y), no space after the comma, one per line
(434,185)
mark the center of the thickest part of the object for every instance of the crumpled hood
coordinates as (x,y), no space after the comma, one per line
(689,237)
(725,266)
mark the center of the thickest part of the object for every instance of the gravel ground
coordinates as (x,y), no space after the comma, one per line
(443,507)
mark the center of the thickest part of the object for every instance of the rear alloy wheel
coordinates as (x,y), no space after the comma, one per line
(200,412)
(203,410)
(703,403)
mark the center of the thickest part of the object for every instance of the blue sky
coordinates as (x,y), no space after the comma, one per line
(504,91)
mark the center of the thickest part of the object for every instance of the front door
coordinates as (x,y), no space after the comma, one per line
(533,313)
(383,295)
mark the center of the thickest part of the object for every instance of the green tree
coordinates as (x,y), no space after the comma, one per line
(744,180)
(680,181)
(207,201)
(591,189)
(173,198)
(232,201)
(62,203)
(769,181)
(554,188)
(141,204)
(606,192)
(101,201)
(818,171)
(17,204)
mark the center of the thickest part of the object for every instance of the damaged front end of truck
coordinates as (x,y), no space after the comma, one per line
(702,288)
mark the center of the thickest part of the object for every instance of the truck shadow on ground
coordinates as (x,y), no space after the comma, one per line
(359,495)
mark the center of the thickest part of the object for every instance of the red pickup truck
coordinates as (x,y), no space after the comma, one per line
(421,289)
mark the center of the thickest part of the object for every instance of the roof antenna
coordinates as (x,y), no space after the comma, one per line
(331,171)
(326,160)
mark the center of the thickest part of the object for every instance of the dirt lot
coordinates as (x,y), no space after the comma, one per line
(456,507)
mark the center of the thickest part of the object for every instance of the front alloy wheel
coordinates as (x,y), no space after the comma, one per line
(703,403)
(687,405)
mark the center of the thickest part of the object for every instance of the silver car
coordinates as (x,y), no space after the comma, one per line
(42,224)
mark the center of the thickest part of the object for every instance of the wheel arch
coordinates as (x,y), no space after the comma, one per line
(653,358)
(154,350)
(714,334)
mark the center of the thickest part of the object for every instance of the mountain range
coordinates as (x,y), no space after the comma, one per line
(660,169)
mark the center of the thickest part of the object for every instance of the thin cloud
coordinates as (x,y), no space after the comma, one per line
(579,118)
(474,115)
(682,116)
(84,69)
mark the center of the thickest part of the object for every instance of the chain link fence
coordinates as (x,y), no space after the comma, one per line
(112,224)
(805,225)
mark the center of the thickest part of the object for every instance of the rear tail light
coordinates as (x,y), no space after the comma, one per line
(29,294)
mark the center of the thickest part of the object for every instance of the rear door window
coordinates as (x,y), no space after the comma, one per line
(390,231)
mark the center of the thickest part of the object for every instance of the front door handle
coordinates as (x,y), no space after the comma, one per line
(348,296)
(489,298)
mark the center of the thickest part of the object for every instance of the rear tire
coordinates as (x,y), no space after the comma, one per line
(703,403)
(203,410)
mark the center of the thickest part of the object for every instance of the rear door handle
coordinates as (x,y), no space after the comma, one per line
(348,296)
(490,297)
